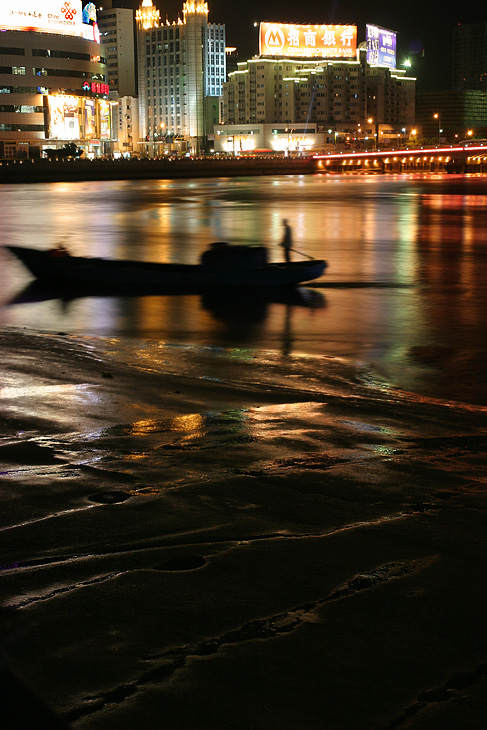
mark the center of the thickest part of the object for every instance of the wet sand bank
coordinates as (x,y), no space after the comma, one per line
(210,538)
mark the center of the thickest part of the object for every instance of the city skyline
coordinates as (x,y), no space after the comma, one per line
(424,36)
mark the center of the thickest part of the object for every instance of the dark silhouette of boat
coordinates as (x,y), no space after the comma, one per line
(220,266)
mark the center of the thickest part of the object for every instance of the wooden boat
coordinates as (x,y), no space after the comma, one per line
(221,266)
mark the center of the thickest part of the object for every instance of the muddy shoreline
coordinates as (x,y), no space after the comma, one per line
(198,540)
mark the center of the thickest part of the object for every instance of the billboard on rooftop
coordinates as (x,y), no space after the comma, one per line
(64,17)
(308,41)
(381,46)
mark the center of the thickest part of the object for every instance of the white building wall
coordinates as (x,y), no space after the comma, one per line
(117,41)
(193,45)
(128,125)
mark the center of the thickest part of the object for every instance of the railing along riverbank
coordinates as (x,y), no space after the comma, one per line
(31,171)
(453,159)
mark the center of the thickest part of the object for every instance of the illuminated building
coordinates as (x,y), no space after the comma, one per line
(264,139)
(117,38)
(343,95)
(470,57)
(53,78)
(181,68)
(390,97)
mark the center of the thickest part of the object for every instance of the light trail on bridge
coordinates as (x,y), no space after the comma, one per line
(398,152)
(458,159)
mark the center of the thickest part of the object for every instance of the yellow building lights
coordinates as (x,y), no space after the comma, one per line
(201,8)
(147,16)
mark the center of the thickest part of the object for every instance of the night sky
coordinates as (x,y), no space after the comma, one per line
(424,28)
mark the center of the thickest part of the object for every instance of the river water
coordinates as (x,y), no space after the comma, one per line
(245,512)
(404,292)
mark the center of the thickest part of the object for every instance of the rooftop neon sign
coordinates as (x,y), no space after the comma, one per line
(308,41)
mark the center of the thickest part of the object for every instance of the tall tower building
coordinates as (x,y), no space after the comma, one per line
(470,57)
(117,38)
(181,72)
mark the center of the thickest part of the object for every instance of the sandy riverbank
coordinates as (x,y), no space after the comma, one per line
(217,538)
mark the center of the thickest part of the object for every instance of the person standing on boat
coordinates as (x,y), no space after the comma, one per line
(287,241)
(59,251)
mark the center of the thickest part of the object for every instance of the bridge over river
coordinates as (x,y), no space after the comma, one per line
(470,158)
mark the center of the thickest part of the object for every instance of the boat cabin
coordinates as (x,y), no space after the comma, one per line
(223,257)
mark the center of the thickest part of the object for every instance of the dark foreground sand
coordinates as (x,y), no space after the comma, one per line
(197,538)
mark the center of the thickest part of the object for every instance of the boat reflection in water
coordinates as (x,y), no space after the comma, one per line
(241,312)
(234,284)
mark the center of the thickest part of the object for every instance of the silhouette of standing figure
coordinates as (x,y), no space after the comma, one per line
(287,241)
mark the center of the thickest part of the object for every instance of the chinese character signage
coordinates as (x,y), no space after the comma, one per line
(96,87)
(44,16)
(381,47)
(99,88)
(307,41)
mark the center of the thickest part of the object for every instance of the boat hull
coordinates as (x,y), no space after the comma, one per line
(79,270)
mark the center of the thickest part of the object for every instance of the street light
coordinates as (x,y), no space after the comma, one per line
(371,121)
(437,116)
(289,139)
(161,135)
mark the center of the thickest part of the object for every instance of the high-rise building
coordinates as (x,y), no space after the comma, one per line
(345,95)
(452,116)
(459,113)
(469,71)
(117,38)
(181,69)
(53,80)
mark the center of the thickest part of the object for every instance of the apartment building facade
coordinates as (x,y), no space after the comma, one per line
(343,97)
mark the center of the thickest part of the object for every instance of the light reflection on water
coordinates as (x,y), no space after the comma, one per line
(420,242)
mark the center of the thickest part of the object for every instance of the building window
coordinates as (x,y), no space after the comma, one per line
(23,109)
(5,51)
(21,127)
